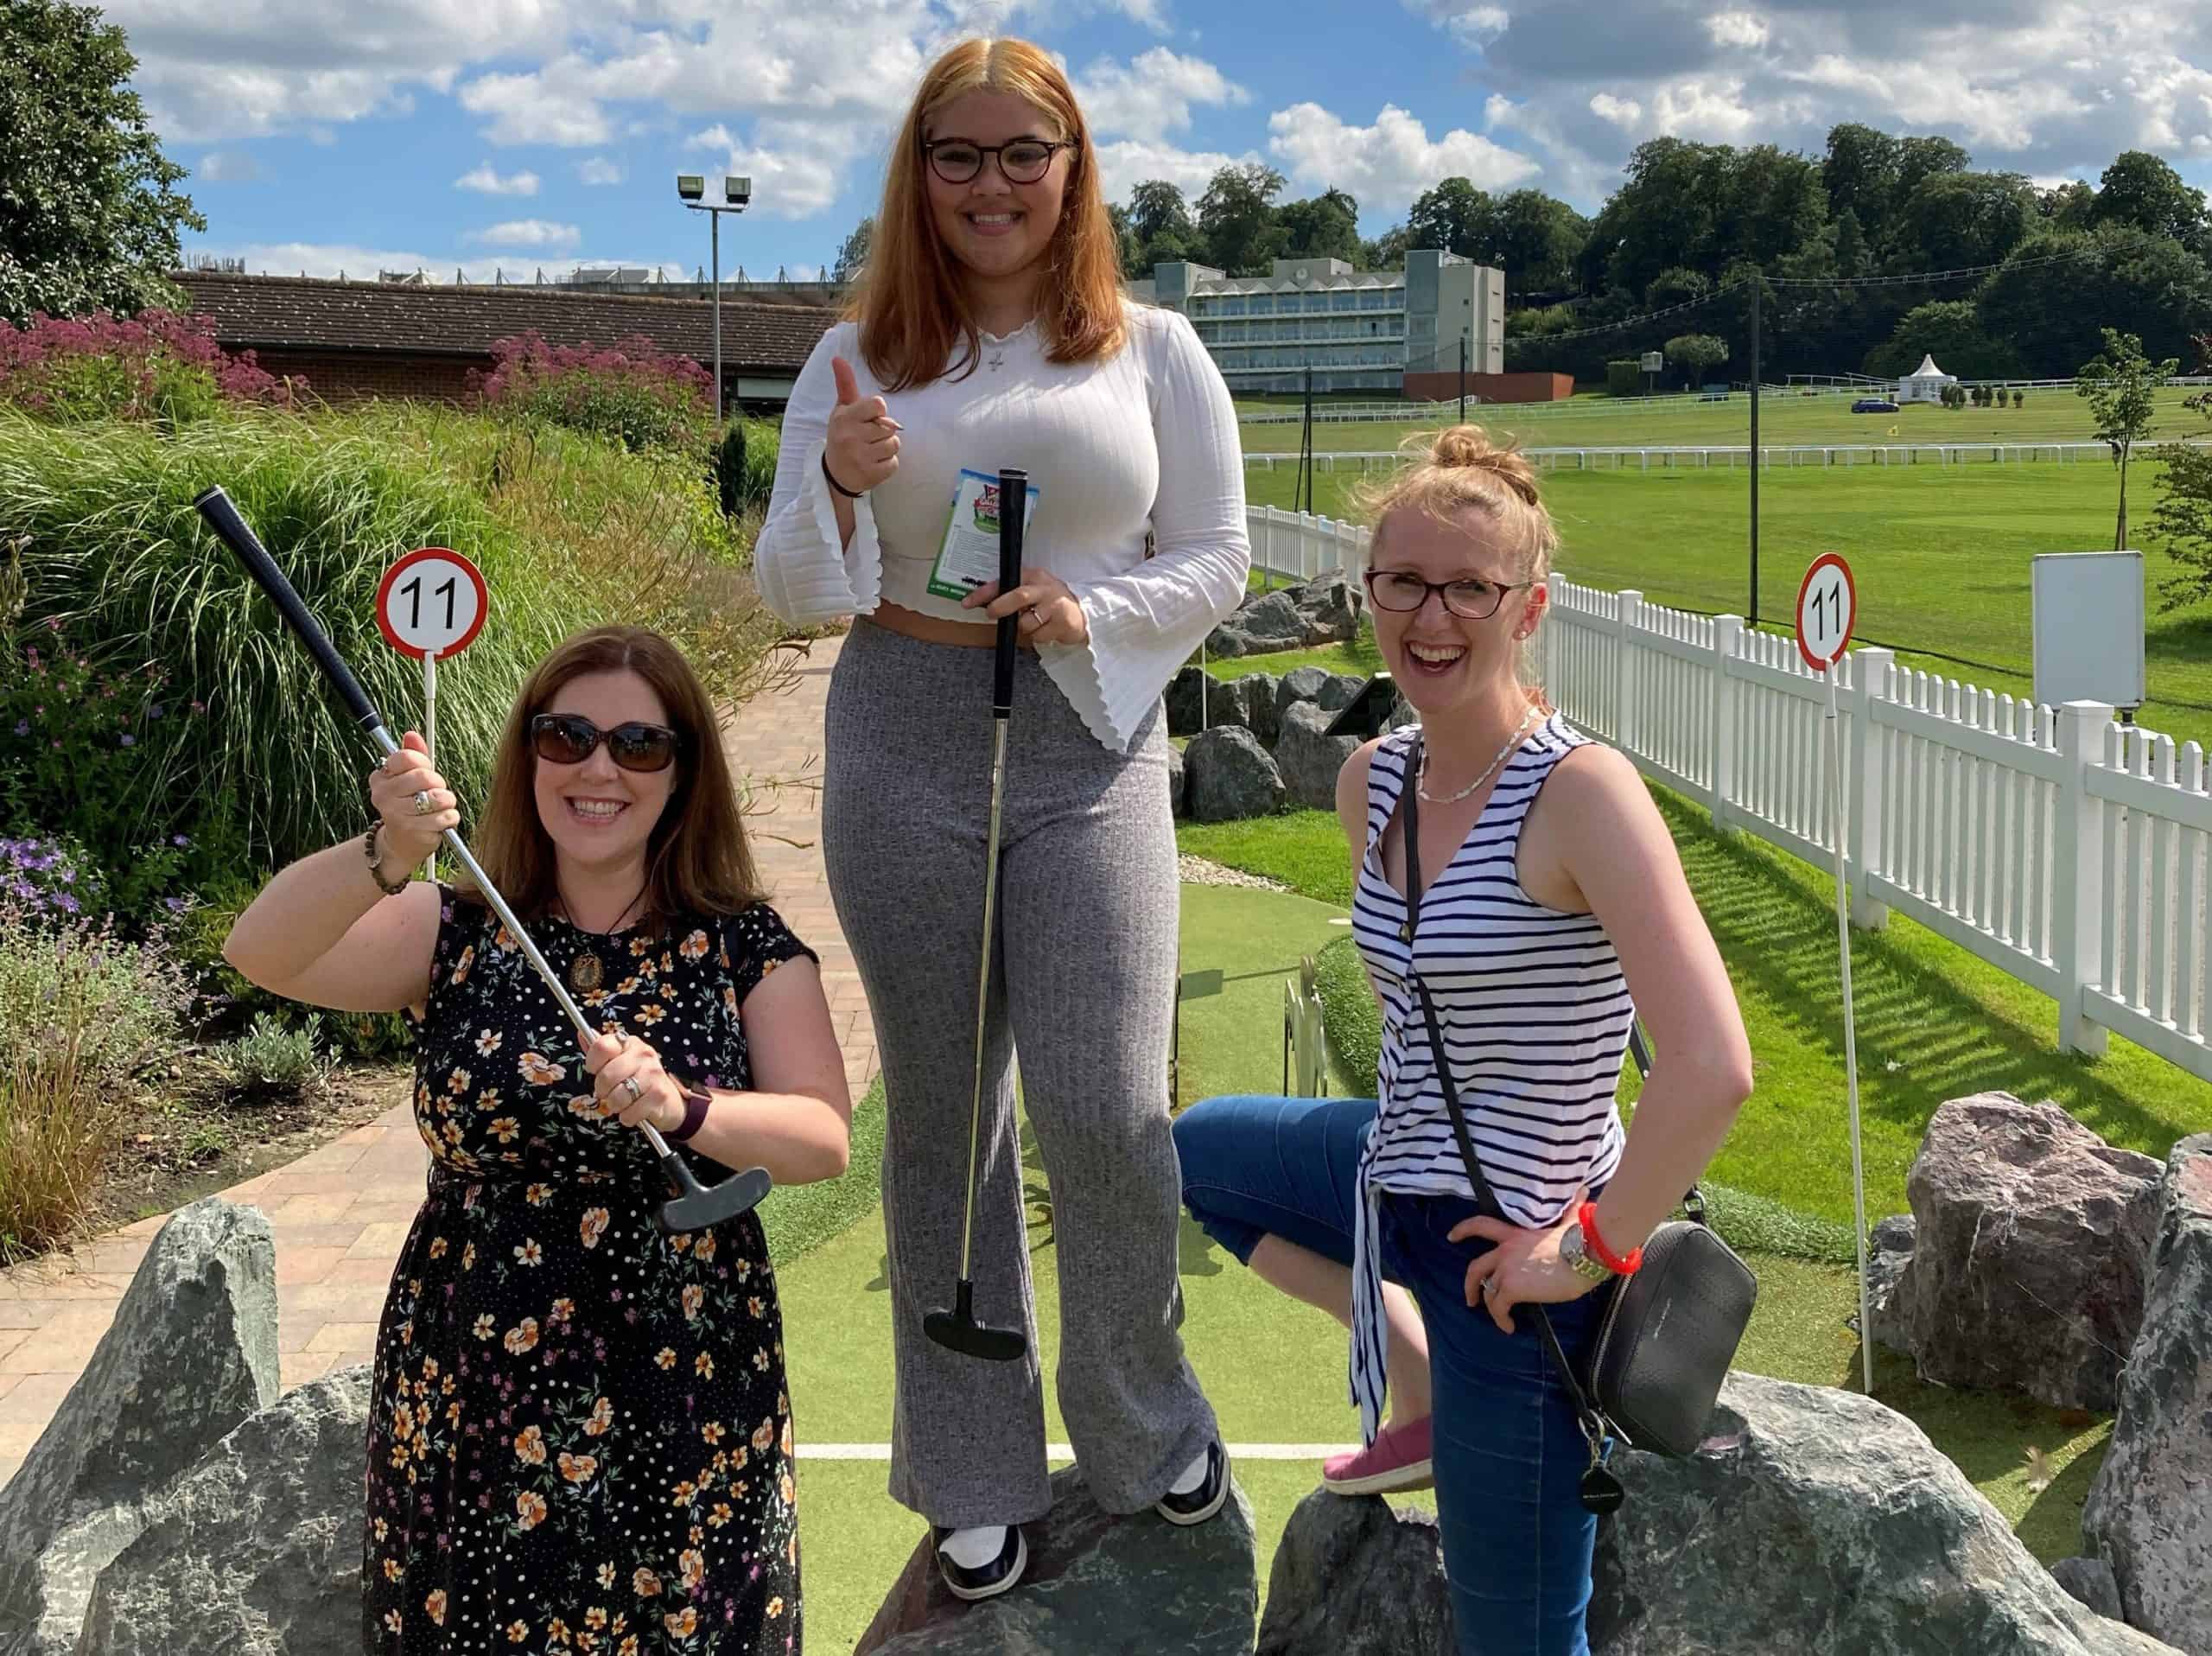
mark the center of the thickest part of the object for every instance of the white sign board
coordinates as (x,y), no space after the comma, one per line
(1828,611)
(2089,628)
(1654,362)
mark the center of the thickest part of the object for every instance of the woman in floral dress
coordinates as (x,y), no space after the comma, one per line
(580,1438)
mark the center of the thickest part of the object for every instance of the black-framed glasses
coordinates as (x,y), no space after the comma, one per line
(570,738)
(1024,161)
(1402,592)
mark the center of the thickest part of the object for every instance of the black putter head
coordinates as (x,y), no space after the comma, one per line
(694,1207)
(957,1330)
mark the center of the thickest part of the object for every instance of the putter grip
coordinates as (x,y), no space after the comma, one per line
(231,529)
(1014,510)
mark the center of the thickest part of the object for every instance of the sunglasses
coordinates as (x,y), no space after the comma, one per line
(1024,161)
(570,738)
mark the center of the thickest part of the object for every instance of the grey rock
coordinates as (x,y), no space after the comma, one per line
(1096,1585)
(1175,780)
(256,1550)
(1894,1234)
(2149,1513)
(1309,757)
(1889,1250)
(2090,1581)
(1182,699)
(2033,1244)
(1325,601)
(1271,622)
(1822,1523)
(1337,691)
(1298,685)
(1225,704)
(191,1353)
(1353,1578)
(1230,777)
(1256,701)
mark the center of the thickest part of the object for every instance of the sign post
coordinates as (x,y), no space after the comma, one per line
(1827,614)
(432,603)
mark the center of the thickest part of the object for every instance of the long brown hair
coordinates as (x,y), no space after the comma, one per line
(912,305)
(698,860)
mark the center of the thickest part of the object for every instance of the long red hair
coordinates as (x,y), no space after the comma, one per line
(912,305)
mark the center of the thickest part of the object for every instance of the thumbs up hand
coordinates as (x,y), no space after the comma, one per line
(863,439)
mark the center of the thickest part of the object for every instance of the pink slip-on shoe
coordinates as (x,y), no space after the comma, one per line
(1397,1460)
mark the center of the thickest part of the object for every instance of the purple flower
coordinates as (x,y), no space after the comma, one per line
(154,712)
(23,726)
(130,740)
(181,841)
(175,905)
(65,903)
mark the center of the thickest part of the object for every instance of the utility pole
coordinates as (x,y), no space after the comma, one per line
(1463,379)
(1757,282)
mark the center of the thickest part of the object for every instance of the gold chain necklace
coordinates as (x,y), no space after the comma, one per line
(1421,780)
(587,972)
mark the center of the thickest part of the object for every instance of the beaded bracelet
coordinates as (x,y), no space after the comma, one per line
(376,863)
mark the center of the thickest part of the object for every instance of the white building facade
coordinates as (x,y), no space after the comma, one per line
(1357,330)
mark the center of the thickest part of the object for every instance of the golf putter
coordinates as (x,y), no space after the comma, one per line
(691,1206)
(957,1329)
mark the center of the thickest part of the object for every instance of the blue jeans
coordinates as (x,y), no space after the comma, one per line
(1509,1454)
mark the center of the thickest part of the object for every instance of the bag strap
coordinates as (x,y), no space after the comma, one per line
(1594,1424)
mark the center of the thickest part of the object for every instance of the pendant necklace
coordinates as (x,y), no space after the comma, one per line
(1421,780)
(587,972)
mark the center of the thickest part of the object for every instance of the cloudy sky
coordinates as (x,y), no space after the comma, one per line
(524,134)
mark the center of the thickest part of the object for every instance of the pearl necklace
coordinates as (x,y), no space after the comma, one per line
(1421,780)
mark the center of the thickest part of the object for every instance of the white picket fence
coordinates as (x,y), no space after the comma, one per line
(2069,850)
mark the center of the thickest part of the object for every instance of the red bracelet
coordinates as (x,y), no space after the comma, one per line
(1586,1217)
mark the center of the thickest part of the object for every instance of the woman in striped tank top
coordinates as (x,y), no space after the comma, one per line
(1555,910)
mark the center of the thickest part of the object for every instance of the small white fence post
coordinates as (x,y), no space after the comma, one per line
(1720,739)
(1871,679)
(1631,605)
(2077,897)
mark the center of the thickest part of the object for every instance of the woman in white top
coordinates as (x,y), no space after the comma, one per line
(991,331)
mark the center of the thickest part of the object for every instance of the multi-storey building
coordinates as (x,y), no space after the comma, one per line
(1357,330)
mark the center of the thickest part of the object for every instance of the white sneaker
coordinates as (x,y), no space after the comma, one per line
(982,1562)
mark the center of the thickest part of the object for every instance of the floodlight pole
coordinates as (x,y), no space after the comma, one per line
(1757,282)
(715,210)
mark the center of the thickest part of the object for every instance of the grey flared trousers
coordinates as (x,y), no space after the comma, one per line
(1083,986)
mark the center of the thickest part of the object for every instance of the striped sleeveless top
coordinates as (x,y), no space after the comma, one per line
(1535,1013)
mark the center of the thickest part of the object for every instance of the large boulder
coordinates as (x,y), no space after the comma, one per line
(1255,699)
(1298,685)
(1096,1585)
(1272,621)
(256,1550)
(1337,691)
(191,1353)
(1352,1577)
(1175,780)
(1325,601)
(1309,757)
(2149,1513)
(2090,1581)
(1230,776)
(1818,1521)
(2032,1246)
(1889,1251)
(1182,699)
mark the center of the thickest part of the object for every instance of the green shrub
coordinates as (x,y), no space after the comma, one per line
(274,1063)
(1624,376)
(631,392)
(73,986)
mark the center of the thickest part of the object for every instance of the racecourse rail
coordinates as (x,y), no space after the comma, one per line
(1703,456)
(2071,851)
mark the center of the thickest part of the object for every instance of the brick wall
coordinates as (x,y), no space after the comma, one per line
(1491,387)
(354,376)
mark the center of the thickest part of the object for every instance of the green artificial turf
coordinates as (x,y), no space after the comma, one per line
(800,1218)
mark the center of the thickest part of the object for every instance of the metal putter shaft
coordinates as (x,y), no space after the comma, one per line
(958,1329)
(691,1206)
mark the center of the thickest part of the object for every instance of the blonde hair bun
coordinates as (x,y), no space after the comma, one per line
(1471,445)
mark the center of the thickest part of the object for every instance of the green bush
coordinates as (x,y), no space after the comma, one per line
(73,986)
(631,392)
(1624,376)
(273,1062)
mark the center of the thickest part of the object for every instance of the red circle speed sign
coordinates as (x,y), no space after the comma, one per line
(432,602)
(1828,611)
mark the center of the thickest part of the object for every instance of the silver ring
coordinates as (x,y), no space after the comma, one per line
(423,803)
(630,1085)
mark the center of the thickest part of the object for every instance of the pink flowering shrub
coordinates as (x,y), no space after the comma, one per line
(632,391)
(161,365)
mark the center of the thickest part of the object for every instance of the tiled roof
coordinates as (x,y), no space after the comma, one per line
(270,312)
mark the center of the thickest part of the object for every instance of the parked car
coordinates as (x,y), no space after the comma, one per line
(1874,406)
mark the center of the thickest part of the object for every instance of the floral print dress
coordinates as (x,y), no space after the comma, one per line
(580,1438)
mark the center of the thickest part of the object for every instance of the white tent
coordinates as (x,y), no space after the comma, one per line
(1925,383)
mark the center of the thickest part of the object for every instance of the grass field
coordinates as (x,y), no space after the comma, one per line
(1942,556)
(2052,416)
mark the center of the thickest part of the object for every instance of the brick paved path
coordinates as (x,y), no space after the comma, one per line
(341,1212)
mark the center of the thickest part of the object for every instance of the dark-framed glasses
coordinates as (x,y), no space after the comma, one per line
(570,739)
(1024,161)
(1402,592)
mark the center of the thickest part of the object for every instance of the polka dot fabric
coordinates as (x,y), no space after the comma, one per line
(580,1438)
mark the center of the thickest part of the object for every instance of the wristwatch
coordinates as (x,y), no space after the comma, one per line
(1574,1249)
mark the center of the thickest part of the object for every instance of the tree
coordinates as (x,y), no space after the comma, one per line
(1157,208)
(1452,215)
(1326,227)
(2069,205)
(1388,250)
(2183,519)
(1536,239)
(1954,219)
(852,253)
(2120,385)
(2142,190)
(1950,331)
(1237,218)
(1696,352)
(1860,176)
(89,210)
(2119,276)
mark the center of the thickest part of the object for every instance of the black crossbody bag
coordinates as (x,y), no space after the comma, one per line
(1669,1331)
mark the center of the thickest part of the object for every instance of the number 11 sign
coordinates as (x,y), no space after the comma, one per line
(432,603)
(1827,614)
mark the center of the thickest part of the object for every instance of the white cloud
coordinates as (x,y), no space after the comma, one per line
(530,233)
(485,180)
(228,166)
(1471,22)
(1128,163)
(1152,94)
(600,170)
(1736,28)
(534,109)
(798,169)
(1386,164)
